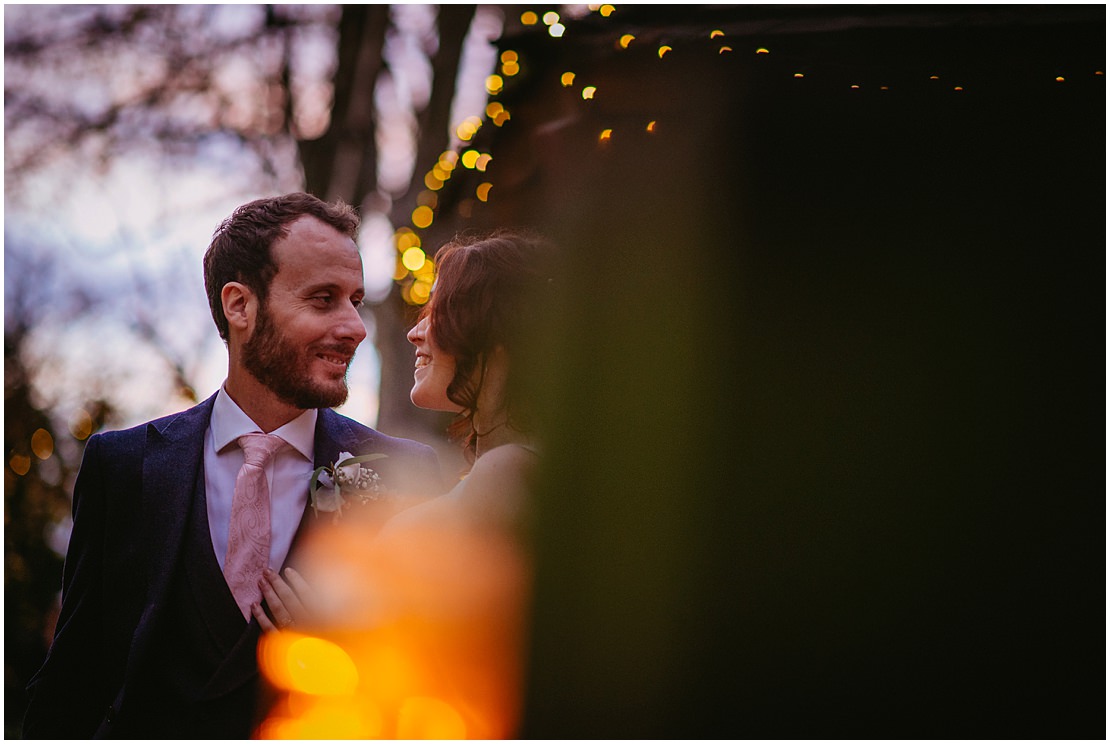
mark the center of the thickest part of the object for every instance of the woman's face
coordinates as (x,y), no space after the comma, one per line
(434,370)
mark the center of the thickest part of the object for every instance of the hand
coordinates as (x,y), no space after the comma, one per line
(287,599)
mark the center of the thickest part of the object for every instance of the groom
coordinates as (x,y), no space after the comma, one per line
(156,637)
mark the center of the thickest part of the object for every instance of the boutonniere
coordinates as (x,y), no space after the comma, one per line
(346,478)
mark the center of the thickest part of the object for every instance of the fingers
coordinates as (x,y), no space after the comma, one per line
(260,616)
(281,599)
(285,597)
(300,586)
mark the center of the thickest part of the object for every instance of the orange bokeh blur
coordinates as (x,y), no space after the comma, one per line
(420,637)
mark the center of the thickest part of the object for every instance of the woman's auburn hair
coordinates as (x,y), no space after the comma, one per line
(487,289)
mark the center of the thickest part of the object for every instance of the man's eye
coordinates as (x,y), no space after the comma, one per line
(322,299)
(358,303)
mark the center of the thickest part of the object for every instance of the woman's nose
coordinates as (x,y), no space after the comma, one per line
(418,332)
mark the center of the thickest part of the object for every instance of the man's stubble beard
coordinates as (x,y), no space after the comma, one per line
(273,360)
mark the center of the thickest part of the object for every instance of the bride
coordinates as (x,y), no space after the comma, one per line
(459,562)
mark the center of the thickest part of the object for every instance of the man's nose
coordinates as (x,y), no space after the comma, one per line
(351,325)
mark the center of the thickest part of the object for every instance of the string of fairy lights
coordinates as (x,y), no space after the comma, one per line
(415,269)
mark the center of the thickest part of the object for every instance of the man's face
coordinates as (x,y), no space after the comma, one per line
(306,332)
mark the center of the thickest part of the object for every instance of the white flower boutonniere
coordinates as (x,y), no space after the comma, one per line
(331,485)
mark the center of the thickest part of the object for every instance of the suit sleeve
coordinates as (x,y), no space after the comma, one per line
(71,692)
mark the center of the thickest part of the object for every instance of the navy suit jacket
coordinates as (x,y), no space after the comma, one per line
(130,503)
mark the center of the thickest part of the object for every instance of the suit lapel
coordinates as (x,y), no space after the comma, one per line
(333,436)
(172,461)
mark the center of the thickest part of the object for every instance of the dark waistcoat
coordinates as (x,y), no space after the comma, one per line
(200,678)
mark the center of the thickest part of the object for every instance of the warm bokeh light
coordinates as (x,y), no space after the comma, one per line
(80,426)
(588,92)
(798,75)
(466,130)
(420,292)
(528,18)
(429,718)
(716,33)
(626,40)
(427,198)
(605,136)
(483,162)
(550,18)
(723,49)
(42,444)
(958,87)
(423,631)
(606,10)
(324,719)
(1060,79)
(469,158)
(510,68)
(763,50)
(482,192)
(427,272)
(399,270)
(650,127)
(556,30)
(509,56)
(448,159)
(405,238)
(20,464)
(567,79)
(433,181)
(306,664)
(494,85)
(663,50)
(422,216)
(413,259)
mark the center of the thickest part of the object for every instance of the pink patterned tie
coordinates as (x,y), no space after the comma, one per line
(248,539)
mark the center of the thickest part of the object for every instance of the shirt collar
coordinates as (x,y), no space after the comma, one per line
(229,422)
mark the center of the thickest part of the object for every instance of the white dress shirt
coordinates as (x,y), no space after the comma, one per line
(288,474)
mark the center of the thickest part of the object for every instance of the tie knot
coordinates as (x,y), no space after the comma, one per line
(259,448)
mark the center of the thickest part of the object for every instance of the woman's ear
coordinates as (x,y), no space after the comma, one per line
(240,306)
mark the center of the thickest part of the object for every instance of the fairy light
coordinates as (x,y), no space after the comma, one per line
(415,289)
(20,464)
(510,63)
(413,259)
(422,216)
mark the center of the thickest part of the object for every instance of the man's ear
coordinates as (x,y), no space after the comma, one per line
(240,306)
